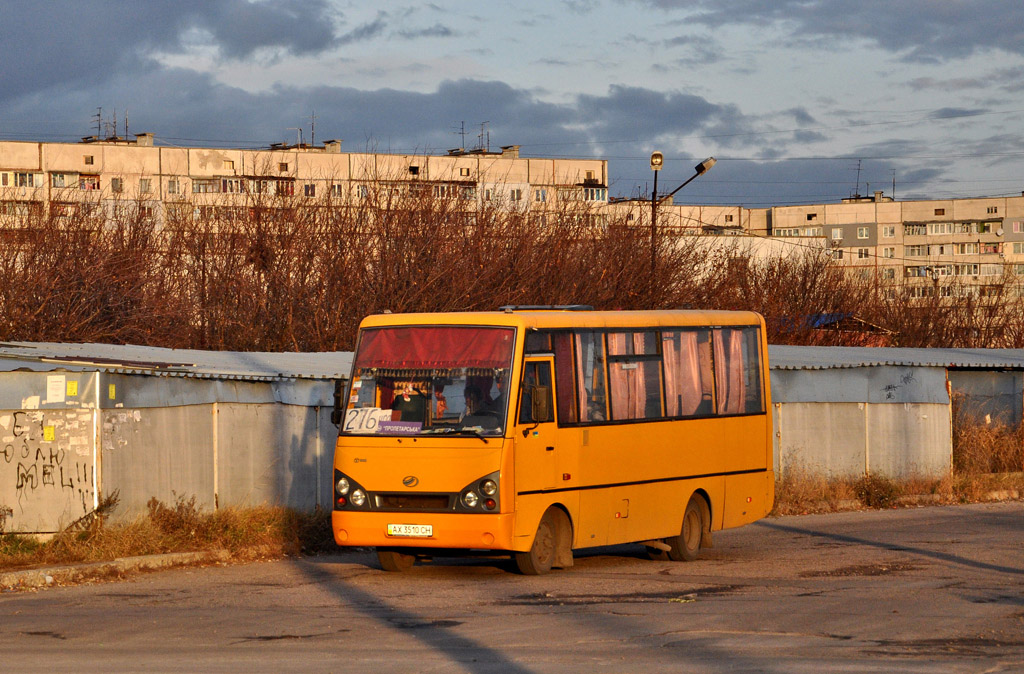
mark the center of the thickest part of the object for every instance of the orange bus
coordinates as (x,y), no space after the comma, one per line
(539,431)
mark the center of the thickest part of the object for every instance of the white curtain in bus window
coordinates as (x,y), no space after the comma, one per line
(737,374)
(687,356)
(590,376)
(635,378)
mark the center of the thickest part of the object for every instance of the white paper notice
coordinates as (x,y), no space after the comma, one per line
(55,388)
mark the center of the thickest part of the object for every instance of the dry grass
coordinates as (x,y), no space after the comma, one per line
(988,464)
(246,533)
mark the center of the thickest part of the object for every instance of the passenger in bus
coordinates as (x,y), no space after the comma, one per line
(410,404)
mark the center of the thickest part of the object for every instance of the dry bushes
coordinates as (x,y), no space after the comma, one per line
(295,273)
(246,533)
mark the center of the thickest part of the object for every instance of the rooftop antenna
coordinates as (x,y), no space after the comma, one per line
(856,191)
(299,129)
(99,121)
(126,125)
(484,134)
(894,184)
(460,130)
(312,128)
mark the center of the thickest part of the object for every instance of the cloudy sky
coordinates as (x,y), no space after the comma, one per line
(796,98)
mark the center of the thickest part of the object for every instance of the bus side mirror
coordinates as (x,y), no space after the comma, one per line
(338,412)
(540,403)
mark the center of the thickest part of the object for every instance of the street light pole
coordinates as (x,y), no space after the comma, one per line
(657,160)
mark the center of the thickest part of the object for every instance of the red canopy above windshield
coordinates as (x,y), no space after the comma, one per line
(435,347)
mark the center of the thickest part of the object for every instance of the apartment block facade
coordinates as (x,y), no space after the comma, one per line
(114,173)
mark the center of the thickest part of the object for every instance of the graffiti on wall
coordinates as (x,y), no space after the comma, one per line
(46,465)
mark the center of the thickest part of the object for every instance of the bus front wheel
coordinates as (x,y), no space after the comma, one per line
(685,546)
(551,546)
(393,560)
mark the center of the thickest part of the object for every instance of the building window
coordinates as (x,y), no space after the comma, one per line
(889,251)
(229,165)
(889,273)
(309,189)
(940,228)
(336,191)
(516,194)
(965,249)
(3,179)
(172,186)
(540,196)
(837,253)
(888,231)
(916,251)
(940,211)
(89,182)
(205,186)
(993,209)
(58,180)
(589,175)
(144,186)
(285,188)
(595,194)
(24,180)
(811,217)
(282,167)
(414,170)
(488,194)
(464,172)
(837,233)
(728,218)
(862,232)
(88,160)
(863,253)
(362,191)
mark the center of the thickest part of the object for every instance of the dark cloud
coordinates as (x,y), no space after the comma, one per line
(93,41)
(918,30)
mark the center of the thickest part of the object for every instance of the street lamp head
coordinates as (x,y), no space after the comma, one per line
(657,159)
(702,167)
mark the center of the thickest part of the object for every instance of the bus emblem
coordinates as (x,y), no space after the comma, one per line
(410,480)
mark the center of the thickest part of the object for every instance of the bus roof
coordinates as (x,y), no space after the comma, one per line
(553,319)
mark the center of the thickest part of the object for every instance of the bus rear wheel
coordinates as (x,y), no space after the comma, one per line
(685,546)
(394,560)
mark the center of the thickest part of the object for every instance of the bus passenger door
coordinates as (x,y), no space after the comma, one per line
(536,457)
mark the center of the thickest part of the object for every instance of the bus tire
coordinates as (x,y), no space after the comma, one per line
(393,560)
(685,546)
(540,557)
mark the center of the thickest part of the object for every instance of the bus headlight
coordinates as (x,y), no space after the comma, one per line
(358,498)
(342,486)
(481,495)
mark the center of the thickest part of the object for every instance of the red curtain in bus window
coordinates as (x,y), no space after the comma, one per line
(435,347)
(683,386)
(564,380)
(729,382)
(629,398)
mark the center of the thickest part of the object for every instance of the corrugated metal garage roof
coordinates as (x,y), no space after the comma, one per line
(828,357)
(149,360)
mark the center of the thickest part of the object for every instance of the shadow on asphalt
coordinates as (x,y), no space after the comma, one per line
(924,552)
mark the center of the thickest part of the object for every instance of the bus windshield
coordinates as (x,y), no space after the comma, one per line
(430,380)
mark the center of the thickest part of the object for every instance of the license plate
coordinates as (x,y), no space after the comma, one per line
(411,530)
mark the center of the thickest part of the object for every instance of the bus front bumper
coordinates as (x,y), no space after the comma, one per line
(447,530)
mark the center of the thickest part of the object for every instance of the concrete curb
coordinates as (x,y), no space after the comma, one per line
(76,573)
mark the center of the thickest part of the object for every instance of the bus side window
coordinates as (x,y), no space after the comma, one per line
(535,401)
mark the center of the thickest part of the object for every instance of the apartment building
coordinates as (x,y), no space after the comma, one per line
(932,246)
(115,173)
